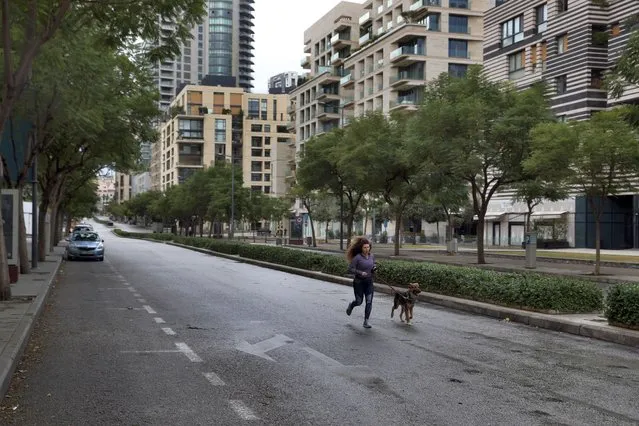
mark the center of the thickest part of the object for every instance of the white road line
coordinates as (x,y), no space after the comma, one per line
(165,351)
(326,359)
(242,410)
(112,288)
(168,331)
(126,284)
(159,320)
(137,295)
(142,300)
(214,379)
(127,309)
(149,309)
(184,348)
(132,290)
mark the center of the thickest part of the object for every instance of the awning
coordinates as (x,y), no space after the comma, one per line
(549,215)
(491,217)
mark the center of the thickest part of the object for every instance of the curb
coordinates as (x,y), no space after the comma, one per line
(14,350)
(620,336)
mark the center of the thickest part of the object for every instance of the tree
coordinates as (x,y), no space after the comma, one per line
(326,210)
(309,200)
(451,195)
(533,190)
(477,131)
(597,158)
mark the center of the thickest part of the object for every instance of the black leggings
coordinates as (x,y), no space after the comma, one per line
(363,287)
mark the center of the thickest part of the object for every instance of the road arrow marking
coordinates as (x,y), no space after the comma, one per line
(260,348)
(325,358)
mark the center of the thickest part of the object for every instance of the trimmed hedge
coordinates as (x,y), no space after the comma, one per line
(527,291)
(622,305)
(100,221)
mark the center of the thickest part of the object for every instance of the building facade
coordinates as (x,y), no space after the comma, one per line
(214,124)
(140,183)
(569,45)
(106,190)
(220,47)
(284,82)
(123,190)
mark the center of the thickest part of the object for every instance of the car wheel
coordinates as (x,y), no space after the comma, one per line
(101,259)
(69,258)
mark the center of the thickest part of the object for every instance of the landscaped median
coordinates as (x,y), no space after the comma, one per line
(527,291)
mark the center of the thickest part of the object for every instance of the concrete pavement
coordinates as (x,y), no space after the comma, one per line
(160,335)
(18,316)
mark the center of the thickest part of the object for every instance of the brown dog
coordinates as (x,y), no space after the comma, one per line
(407,301)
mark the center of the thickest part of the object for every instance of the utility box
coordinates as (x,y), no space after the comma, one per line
(530,241)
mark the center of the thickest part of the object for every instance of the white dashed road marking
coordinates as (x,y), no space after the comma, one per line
(242,410)
(149,309)
(184,348)
(168,331)
(214,379)
(132,290)
(142,300)
(137,295)
(159,320)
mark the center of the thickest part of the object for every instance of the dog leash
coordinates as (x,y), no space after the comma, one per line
(397,292)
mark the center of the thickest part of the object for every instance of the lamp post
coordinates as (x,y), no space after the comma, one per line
(231,226)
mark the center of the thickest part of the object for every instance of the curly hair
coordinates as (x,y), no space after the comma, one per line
(355,247)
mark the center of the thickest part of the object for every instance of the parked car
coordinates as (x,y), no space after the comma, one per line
(109,223)
(80,228)
(85,245)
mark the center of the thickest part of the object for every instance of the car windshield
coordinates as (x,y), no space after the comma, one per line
(86,236)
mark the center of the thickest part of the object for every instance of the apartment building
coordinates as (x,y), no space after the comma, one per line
(210,124)
(221,46)
(403,44)
(316,101)
(122,186)
(569,45)
(284,82)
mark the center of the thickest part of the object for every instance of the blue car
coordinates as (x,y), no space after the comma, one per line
(85,245)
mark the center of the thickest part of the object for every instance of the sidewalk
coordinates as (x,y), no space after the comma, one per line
(18,315)
(609,275)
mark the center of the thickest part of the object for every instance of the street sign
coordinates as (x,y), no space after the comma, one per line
(298,219)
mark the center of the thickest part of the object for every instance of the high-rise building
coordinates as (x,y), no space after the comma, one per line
(217,124)
(221,47)
(284,82)
(379,55)
(569,45)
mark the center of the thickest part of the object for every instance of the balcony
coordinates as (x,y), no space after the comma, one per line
(307,48)
(407,55)
(408,102)
(347,80)
(324,95)
(189,160)
(347,101)
(343,22)
(365,18)
(420,7)
(306,62)
(407,80)
(290,126)
(338,59)
(364,39)
(328,113)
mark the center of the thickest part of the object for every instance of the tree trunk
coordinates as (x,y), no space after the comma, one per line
(52,227)
(310,220)
(365,221)
(58,227)
(326,233)
(67,226)
(481,258)
(201,227)
(23,249)
(5,280)
(597,244)
(211,228)
(398,228)
(438,237)
(42,232)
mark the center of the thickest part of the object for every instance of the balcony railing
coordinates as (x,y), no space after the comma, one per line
(424,3)
(408,50)
(305,60)
(190,159)
(407,100)
(365,38)
(365,17)
(346,79)
(411,75)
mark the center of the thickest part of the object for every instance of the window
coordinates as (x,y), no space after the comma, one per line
(458,24)
(458,48)
(615,29)
(267,128)
(267,152)
(516,65)
(600,36)
(541,17)
(512,31)
(191,129)
(256,166)
(253,108)
(544,55)
(562,44)
(596,78)
(460,4)
(533,57)
(431,22)
(256,188)
(256,142)
(256,127)
(267,177)
(457,70)
(264,109)
(256,177)
(562,6)
(267,140)
(562,84)
(256,152)
(220,130)
(267,165)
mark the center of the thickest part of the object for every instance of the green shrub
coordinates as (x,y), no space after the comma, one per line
(622,305)
(519,290)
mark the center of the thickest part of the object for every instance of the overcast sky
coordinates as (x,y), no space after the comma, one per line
(279,35)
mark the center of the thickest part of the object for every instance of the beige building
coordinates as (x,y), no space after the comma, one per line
(123,190)
(378,56)
(209,124)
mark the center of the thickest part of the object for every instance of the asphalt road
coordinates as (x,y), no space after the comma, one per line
(160,335)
